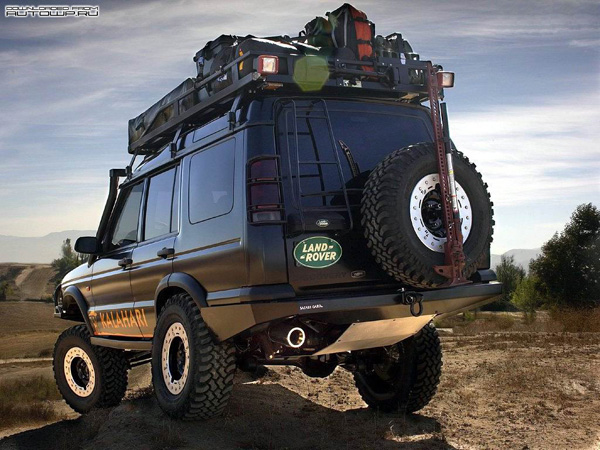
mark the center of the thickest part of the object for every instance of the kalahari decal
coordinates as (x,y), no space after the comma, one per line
(118,319)
(317,252)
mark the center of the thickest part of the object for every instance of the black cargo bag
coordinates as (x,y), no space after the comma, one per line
(162,111)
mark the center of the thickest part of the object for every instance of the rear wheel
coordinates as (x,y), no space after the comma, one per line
(402,377)
(88,376)
(192,375)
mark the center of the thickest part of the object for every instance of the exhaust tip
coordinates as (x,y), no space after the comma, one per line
(296,337)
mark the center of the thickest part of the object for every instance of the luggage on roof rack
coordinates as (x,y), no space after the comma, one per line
(229,68)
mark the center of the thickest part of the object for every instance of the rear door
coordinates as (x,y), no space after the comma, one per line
(328,150)
(153,256)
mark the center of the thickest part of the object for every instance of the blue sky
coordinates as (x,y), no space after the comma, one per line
(525,107)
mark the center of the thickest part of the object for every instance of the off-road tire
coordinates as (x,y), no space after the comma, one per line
(110,366)
(386,217)
(417,376)
(211,365)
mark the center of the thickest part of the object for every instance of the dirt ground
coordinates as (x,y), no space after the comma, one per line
(28,281)
(28,329)
(522,390)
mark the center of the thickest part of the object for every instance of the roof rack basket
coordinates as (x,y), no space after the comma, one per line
(391,78)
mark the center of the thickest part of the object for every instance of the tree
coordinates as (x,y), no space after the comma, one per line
(5,290)
(510,275)
(68,261)
(526,296)
(568,270)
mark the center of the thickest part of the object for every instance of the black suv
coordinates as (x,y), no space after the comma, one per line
(270,225)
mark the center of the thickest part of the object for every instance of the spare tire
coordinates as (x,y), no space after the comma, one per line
(402,215)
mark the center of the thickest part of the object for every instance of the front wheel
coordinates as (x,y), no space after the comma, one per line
(402,377)
(192,375)
(88,376)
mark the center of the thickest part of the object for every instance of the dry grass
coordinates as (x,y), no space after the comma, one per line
(29,316)
(27,401)
(33,344)
(577,320)
(557,321)
(28,329)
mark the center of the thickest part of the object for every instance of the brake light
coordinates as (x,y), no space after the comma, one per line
(264,191)
(445,79)
(268,65)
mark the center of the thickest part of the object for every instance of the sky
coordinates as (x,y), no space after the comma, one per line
(525,107)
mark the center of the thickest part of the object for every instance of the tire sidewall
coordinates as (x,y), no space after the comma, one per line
(423,164)
(169,402)
(80,404)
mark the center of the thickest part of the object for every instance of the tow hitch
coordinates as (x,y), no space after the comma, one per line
(454,256)
(411,299)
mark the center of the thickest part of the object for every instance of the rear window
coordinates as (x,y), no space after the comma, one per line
(367,132)
(372,136)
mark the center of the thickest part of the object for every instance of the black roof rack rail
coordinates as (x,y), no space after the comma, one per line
(391,78)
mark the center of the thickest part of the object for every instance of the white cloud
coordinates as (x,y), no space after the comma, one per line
(547,152)
(585,43)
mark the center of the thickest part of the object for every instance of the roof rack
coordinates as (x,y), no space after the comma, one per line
(391,78)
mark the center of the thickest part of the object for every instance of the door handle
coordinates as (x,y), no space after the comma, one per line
(125,262)
(165,252)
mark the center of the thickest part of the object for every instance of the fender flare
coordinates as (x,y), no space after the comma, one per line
(186,282)
(76,294)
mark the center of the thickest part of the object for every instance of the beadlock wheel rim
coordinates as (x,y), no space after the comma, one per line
(175,358)
(424,191)
(79,372)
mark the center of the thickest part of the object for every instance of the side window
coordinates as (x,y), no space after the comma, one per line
(175,207)
(211,182)
(126,228)
(159,204)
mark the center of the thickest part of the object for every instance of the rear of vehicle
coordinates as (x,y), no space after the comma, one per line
(314,230)
(345,304)
(328,148)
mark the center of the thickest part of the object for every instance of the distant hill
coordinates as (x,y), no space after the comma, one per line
(522,256)
(28,281)
(40,250)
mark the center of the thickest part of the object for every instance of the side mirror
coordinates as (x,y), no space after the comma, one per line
(88,245)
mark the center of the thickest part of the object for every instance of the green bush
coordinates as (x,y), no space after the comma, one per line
(568,270)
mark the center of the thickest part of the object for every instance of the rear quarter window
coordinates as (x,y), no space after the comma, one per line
(211,182)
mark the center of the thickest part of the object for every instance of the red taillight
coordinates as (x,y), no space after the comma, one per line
(264,191)
(264,194)
(268,65)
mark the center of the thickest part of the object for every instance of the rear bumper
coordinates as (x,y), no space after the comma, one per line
(229,320)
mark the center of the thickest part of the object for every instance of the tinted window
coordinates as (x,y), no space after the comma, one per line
(175,208)
(211,182)
(368,135)
(125,230)
(159,204)
(371,136)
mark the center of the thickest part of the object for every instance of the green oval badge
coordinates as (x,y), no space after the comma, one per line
(317,252)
